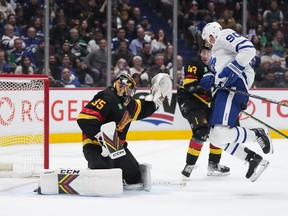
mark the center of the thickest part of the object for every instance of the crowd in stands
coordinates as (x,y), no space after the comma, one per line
(78,44)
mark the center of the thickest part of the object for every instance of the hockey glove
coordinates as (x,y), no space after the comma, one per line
(105,152)
(207,81)
(232,72)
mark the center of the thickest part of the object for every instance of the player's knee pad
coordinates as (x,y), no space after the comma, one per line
(221,135)
(201,133)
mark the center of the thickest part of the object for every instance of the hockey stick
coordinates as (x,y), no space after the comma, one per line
(263,123)
(171,182)
(253,96)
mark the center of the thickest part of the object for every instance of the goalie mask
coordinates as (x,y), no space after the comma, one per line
(125,87)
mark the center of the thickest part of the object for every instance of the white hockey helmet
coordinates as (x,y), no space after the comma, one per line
(213,28)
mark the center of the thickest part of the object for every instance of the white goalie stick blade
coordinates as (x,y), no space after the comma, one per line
(259,170)
(111,140)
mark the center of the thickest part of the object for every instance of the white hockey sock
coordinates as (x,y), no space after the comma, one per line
(221,135)
(236,149)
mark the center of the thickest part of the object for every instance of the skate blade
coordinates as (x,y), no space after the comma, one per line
(215,173)
(259,170)
(139,186)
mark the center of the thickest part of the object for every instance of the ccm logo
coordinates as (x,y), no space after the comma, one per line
(118,154)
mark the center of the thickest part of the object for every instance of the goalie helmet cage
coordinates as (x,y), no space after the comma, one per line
(24,123)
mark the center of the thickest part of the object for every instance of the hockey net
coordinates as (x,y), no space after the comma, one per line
(24,125)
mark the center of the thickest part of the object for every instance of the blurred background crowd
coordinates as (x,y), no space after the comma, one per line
(141,42)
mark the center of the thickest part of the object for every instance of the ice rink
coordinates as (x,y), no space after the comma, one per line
(231,195)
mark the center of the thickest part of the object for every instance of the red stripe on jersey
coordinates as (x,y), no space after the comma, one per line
(93,113)
(195,145)
(166,117)
(191,76)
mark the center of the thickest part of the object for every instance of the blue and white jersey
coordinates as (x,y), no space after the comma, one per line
(230,45)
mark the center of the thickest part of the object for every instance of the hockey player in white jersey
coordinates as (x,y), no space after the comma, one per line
(231,55)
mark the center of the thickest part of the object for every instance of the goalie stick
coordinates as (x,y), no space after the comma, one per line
(252,95)
(263,123)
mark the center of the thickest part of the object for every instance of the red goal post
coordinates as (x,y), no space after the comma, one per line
(24,123)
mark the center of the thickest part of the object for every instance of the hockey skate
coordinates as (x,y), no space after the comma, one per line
(187,170)
(263,139)
(216,169)
(257,165)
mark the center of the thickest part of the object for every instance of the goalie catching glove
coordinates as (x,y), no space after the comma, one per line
(161,87)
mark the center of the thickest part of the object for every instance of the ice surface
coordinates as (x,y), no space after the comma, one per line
(231,195)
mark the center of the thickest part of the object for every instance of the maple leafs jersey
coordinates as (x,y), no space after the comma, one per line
(231,46)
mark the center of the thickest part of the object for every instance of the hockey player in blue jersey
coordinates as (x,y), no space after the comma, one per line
(231,55)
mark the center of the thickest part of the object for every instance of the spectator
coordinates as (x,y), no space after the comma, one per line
(25,66)
(136,15)
(65,50)
(92,45)
(226,20)
(285,80)
(260,73)
(4,65)
(66,63)
(158,67)
(20,21)
(278,43)
(168,57)
(139,70)
(121,67)
(160,42)
(146,55)
(59,33)
(179,71)
(53,66)
(31,41)
(77,45)
(7,41)
(37,23)
(68,80)
(86,76)
(6,8)
(131,33)
(122,52)
(270,81)
(278,70)
(98,60)
(273,14)
(30,9)
(137,44)
(120,36)
(19,50)
(271,55)
(85,31)
(11,19)
(144,23)
(39,56)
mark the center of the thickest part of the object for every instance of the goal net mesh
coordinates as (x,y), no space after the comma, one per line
(22,123)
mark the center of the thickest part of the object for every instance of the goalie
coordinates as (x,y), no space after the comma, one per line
(115,104)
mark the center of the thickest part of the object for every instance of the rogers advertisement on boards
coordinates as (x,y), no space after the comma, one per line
(67,103)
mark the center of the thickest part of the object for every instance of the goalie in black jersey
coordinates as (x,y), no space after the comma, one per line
(115,104)
(194,103)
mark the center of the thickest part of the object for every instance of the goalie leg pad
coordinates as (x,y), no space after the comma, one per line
(145,170)
(103,182)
